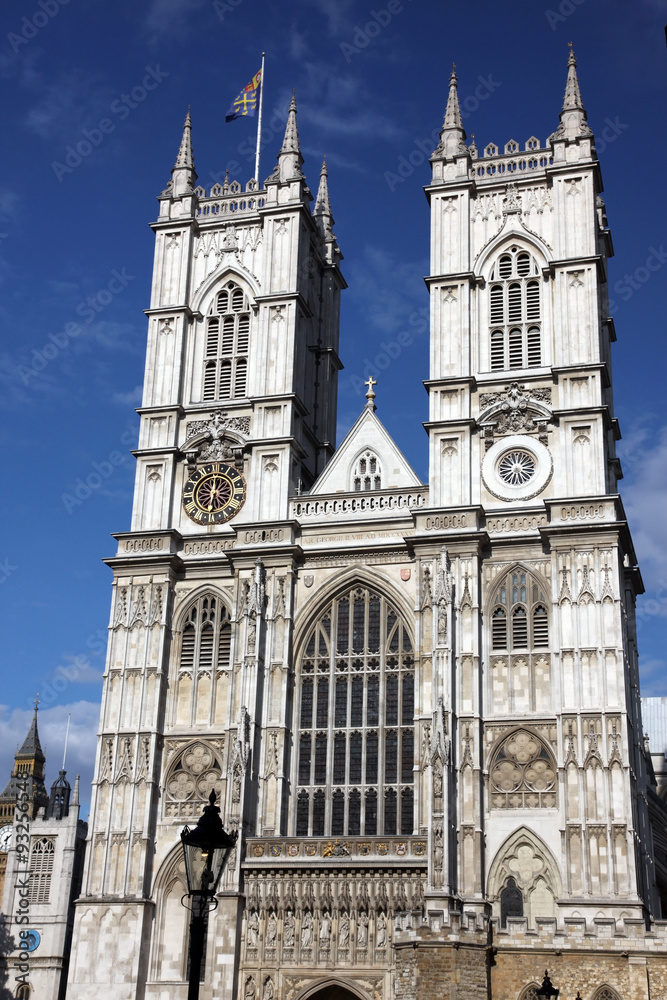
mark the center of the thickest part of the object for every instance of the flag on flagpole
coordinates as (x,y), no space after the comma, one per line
(245,103)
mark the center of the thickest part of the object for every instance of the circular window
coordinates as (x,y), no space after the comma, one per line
(517,468)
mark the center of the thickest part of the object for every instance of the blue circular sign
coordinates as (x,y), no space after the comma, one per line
(30,940)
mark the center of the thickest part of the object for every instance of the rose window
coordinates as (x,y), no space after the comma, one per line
(516,468)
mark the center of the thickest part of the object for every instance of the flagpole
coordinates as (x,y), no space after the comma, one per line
(259,124)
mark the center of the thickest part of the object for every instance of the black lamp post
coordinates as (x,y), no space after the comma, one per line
(206,849)
(547,990)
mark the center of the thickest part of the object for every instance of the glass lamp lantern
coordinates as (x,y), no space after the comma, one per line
(206,848)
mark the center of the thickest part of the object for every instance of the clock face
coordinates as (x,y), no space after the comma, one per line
(214,493)
(5,838)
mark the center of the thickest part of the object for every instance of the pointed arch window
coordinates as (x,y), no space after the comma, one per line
(204,654)
(226,345)
(42,855)
(367,473)
(511,902)
(520,600)
(355,748)
(514,312)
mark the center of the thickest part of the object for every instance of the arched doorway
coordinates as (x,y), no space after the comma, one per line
(333,991)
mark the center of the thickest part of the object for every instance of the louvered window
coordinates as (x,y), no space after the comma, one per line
(205,651)
(42,853)
(356,702)
(226,346)
(514,302)
(521,600)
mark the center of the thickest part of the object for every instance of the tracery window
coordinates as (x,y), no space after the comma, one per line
(514,312)
(367,473)
(191,777)
(522,773)
(355,746)
(226,345)
(42,853)
(519,619)
(606,993)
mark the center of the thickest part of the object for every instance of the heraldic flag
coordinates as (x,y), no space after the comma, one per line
(245,103)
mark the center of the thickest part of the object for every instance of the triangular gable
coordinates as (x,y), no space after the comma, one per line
(367,434)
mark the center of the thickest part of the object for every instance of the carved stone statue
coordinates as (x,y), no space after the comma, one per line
(253,929)
(250,992)
(267,992)
(271,930)
(288,930)
(325,930)
(381,931)
(307,930)
(343,930)
(362,930)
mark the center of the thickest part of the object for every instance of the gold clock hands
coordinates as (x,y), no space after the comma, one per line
(213,494)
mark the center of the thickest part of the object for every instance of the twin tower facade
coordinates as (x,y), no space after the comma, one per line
(417,703)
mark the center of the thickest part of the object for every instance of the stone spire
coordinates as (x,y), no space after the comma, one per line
(183,174)
(452,134)
(28,771)
(290,159)
(322,211)
(573,114)
(75,793)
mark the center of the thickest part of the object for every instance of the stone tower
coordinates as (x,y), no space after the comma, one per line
(418,703)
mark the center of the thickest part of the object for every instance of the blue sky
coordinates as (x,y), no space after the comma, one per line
(371,84)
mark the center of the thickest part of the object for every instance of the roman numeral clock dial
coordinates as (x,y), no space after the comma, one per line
(214,494)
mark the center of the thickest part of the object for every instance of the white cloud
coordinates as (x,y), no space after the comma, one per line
(131,398)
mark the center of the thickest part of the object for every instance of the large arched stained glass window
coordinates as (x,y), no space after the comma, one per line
(355,742)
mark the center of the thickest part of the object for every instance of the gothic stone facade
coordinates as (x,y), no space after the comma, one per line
(417,703)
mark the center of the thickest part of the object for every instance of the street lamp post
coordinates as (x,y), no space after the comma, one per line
(205,849)
(547,990)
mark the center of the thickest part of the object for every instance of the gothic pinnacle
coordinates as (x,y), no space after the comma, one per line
(452,134)
(289,157)
(291,139)
(573,114)
(183,174)
(572,97)
(322,210)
